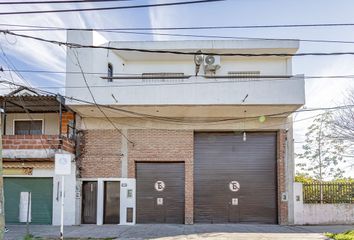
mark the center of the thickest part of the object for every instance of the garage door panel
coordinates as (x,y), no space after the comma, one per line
(172,209)
(41,198)
(224,157)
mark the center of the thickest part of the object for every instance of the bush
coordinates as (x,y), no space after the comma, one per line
(342,236)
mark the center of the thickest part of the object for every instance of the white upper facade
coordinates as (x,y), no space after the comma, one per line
(141,78)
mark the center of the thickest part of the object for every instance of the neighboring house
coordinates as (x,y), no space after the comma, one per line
(34,128)
(183,149)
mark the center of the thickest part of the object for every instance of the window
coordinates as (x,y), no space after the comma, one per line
(28,127)
(110,72)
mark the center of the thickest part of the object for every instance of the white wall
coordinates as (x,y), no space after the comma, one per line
(288,91)
(125,202)
(69,198)
(50,121)
(320,213)
(328,214)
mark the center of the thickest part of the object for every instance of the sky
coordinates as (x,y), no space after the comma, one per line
(30,54)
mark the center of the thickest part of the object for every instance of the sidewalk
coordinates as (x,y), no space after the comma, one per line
(171,231)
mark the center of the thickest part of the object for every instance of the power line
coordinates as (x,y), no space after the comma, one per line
(190,28)
(21,102)
(227,37)
(110,8)
(63,1)
(129,31)
(75,45)
(194,35)
(139,74)
(178,120)
(95,102)
(231,79)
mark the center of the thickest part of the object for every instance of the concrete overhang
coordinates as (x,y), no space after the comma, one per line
(185,111)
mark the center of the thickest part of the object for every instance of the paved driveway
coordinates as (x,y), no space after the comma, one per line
(170,231)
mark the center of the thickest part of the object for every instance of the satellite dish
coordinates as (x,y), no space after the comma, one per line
(210,60)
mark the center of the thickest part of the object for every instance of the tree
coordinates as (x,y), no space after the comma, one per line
(343,119)
(322,152)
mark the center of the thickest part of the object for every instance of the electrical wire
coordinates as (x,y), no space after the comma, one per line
(21,102)
(279,114)
(75,45)
(95,102)
(110,8)
(169,83)
(190,28)
(193,35)
(139,74)
(58,1)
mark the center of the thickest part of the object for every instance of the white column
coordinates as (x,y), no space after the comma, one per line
(127,184)
(298,204)
(100,200)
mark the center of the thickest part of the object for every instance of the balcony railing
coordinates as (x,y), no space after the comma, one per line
(16,142)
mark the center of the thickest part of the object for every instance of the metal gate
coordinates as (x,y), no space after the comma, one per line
(235,180)
(41,190)
(111,202)
(89,202)
(160,192)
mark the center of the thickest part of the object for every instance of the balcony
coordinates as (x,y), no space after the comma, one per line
(37,142)
(35,146)
(47,124)
(197,96)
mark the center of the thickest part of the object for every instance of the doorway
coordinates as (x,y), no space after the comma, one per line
(111,202)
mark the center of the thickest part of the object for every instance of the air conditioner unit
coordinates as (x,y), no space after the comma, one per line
(211,63)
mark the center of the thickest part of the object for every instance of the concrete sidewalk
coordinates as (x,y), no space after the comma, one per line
(171,231)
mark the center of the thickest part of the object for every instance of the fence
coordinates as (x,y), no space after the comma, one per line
(328,193)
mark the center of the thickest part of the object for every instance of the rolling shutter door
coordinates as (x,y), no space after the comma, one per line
(166,205)
(222,158)
(41,198)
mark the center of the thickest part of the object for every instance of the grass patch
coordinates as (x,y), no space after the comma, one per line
(349,235)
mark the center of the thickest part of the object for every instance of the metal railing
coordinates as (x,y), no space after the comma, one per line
(328,193)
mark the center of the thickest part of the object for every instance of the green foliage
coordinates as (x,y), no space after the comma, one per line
(349,235)
(303,178)
(335,191)
(30,237)
(322,152)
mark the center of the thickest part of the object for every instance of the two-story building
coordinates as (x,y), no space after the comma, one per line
(34,128)
(184,138)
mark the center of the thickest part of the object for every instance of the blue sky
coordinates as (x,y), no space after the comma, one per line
(28,54)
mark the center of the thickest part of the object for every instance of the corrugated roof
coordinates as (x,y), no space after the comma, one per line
(18,103)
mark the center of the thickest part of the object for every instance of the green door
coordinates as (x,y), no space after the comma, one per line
(41,198)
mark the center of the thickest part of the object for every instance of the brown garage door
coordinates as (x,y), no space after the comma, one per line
(160,192)
(235,181)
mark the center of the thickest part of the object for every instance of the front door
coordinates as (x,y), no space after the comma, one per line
(111,202)
(89,202)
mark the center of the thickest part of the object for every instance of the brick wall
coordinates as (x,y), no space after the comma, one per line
(36,142)
(100,154)
(282,205)
(164,146)
(66,118)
